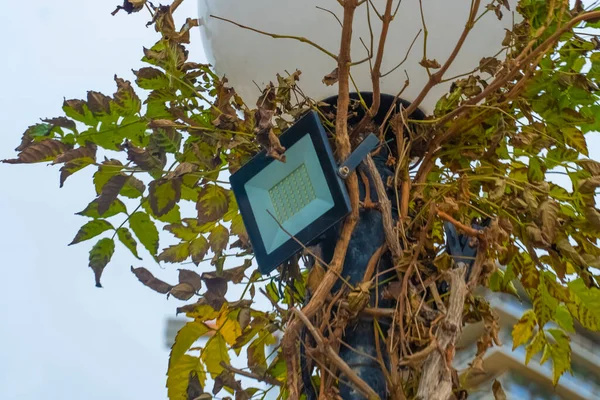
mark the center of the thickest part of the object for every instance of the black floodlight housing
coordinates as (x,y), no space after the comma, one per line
(287,205)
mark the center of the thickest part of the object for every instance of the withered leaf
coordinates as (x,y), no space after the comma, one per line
(315,277)
(46,150)
(98,103)
(62,122)
(191,277)
(216,288)
(392,290)
(588,186)
(146,159)
(535,235)
(491,65)
(73,166)
(498,391)
(226,379)
(149,280)
(87,151)
(331,78)
(182,291)
(244,318)
(433,64)
(194,388)
(110,192)
(130,6)
(236,274)
(548,214)
(591,166)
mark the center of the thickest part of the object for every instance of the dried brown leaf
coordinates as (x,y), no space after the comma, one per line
(149,280)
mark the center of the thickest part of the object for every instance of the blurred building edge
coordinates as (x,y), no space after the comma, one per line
(532,381)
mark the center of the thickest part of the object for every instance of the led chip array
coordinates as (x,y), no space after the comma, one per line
(292,193)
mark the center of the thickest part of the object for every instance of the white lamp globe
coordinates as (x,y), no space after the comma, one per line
(248,58)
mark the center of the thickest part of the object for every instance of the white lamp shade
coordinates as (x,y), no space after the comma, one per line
(246,57)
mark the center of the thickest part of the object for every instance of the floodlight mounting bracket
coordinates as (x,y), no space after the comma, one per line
(358,155)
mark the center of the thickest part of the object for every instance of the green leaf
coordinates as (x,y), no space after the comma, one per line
(543,304)
(127,239)
(218,238)
(186,337)
(178,376)
(523,329)
(535,172)
(181,231)
(560,351)
(564,319)
(164,194)
(100,255)
(214,354)
(198,249)
(115,208)
(167,139)
(79,111)
(91,229)
(585,304)
(537,344)
(574,138)
(151,78)
(133,188)
(73,166)
(145,230)
(176,253)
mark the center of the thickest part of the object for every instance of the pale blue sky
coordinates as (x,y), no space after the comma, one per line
(60,337)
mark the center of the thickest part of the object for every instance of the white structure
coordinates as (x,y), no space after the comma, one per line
(532,381)
(247,57)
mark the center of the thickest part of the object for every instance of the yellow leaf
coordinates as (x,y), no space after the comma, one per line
(178,376)
(523,329)
(537,344)
(229,328)
(185,338)
(214,353)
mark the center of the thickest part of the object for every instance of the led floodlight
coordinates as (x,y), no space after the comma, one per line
(302,197)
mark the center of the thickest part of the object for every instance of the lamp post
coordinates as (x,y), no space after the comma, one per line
(238,39)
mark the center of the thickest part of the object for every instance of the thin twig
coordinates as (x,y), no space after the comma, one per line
(276,36)
(405,55)
(261,378)
(470,231)
(361,385)
(376,71)
(332,13)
